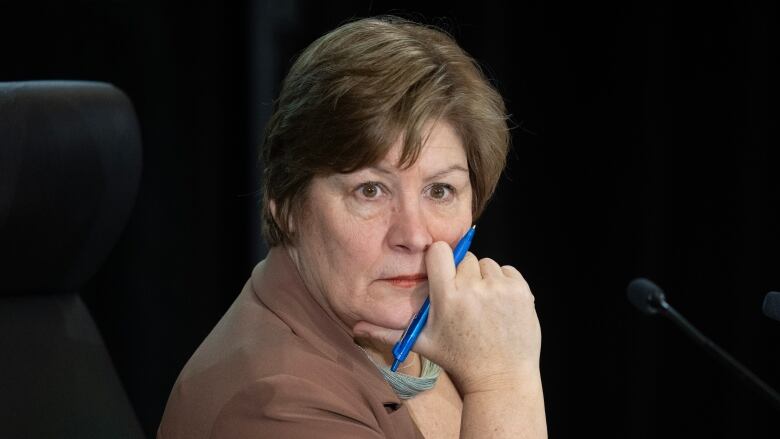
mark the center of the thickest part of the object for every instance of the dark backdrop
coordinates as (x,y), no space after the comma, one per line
(642,146)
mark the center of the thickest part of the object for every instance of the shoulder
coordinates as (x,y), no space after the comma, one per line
(271,372)
(294,406)
(260,376)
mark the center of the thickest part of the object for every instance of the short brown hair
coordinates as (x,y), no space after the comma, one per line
(353,91)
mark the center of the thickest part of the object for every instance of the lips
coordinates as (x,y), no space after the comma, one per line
(407,281)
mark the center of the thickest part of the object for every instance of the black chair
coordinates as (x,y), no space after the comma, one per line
(70,165)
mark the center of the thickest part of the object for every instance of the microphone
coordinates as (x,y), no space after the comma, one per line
(650,299)
(646,296)
(771,305)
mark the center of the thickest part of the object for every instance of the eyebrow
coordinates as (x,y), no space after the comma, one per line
(438,174)
(449,170)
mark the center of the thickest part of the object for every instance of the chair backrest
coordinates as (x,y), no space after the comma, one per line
(70,165)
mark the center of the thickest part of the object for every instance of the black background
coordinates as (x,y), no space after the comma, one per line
(642,146)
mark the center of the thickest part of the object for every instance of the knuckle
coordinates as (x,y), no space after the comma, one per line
(487,261)
(512,271)
(526,294)
(510,268)
(519,286)
(524,284)
(467,264)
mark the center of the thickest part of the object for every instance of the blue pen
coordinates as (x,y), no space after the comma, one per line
(404,345)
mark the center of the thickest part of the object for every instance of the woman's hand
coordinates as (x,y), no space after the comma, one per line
(483,330)
(482,327)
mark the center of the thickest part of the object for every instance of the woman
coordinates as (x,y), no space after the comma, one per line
(385,145)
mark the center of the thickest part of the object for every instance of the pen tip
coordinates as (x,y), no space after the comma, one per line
(473,227)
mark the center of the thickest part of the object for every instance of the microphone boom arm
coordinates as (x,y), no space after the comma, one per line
(713,349)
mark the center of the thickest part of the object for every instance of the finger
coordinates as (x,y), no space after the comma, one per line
(511,271)
(440,266)
(490,268)
(469,267)
(377,333)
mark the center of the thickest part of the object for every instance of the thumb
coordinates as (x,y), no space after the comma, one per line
(377,333)
(440,265)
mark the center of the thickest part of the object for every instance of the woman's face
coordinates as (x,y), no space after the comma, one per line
(360,247)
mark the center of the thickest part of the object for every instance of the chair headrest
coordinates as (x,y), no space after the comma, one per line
(70,165)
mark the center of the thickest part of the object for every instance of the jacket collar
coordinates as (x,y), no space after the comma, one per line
(278,285)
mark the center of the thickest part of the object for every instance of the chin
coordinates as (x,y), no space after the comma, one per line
(398,319)
(393,311)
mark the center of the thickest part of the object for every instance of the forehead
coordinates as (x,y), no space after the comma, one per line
(441,146)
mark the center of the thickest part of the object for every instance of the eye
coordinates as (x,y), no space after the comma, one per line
(370,190)
(441,192)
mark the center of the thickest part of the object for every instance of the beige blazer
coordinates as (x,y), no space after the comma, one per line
(278,366)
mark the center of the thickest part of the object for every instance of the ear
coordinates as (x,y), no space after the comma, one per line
(290,224)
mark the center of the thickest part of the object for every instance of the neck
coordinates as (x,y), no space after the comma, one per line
(383,354)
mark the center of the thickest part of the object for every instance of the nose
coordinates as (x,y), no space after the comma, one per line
(409,231)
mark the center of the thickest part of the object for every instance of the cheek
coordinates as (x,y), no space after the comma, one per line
(454,234)
(451,227)
(354,246)
(354,254)
(359,235)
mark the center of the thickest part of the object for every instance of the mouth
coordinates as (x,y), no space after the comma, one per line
(409,281)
